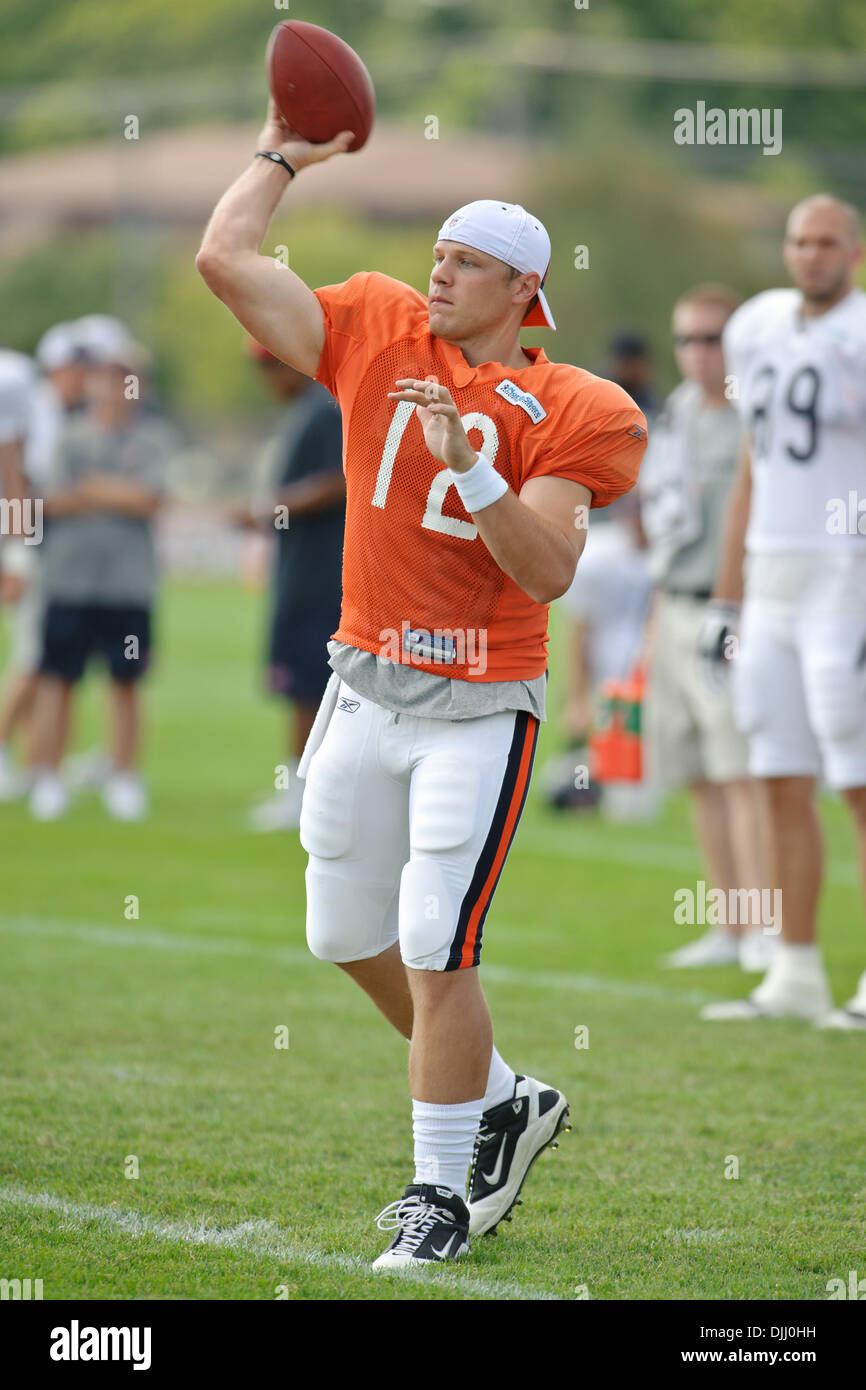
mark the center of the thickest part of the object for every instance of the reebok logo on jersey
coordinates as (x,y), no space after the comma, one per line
(510,392)
(348,706)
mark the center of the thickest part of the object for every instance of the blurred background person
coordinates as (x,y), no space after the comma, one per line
(99,574)
(690,736)
(630,364)
(55,394)
(96,338)
(604,611)
(795,552)
(301,499)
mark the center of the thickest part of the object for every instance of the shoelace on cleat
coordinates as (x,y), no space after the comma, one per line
(481,1138)
(416,1220)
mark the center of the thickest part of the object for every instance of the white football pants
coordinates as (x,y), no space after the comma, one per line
(407,823)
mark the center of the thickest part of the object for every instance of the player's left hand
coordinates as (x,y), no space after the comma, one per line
(440,420)
(717,643)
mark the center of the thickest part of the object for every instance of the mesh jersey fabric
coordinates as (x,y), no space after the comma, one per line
(412,556)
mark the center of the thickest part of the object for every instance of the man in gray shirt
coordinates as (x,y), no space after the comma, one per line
(99,577)
(691,737)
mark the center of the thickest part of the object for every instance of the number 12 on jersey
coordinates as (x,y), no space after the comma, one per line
(433,518)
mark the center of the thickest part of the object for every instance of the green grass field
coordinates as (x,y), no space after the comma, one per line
(260,1169)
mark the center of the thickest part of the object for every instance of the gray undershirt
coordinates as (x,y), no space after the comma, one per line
(406,690)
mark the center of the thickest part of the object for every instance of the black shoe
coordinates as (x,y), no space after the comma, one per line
(560,783)
(432,1226)
(510,1138)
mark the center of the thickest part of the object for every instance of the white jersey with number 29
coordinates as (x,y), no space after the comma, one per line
(801,392)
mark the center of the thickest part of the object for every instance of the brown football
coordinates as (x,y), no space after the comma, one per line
(319,83)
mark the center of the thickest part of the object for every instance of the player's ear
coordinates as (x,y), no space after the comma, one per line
(527,291)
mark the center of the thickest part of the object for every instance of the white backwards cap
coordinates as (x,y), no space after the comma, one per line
(511,234)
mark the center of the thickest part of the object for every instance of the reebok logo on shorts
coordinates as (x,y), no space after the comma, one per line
(348,706)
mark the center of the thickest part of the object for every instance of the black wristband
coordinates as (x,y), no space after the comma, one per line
(275,158)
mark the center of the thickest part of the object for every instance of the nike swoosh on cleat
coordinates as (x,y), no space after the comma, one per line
(445,1252)
(493,1178)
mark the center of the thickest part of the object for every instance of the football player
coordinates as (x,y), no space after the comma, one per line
(798,511)
(471,464)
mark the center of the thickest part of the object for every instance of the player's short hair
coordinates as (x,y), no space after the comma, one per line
(711,296)
(850,213)
(512,272)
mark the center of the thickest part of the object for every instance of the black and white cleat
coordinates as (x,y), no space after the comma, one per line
(431,1224)
(510,1138)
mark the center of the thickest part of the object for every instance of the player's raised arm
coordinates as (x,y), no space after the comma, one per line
(268,298)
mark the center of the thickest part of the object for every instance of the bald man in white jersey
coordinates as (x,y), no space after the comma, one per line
(795,555)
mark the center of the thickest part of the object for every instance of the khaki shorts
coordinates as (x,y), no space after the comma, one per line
(689,730)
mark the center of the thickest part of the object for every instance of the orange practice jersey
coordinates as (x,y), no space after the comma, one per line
(413,560)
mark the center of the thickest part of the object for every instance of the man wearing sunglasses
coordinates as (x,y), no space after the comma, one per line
(692,740)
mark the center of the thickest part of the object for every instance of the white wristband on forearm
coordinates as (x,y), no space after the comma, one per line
(480,486)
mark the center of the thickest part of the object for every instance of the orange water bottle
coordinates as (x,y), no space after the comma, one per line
(615,748)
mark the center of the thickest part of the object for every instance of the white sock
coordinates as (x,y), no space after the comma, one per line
(444,1136)
(799,960)
(794,967)
(501,1081)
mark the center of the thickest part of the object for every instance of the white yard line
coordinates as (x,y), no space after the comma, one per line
(592,984)
(134,938)
(264,1239)
(697,1235)
(580,842)
(133,1075)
